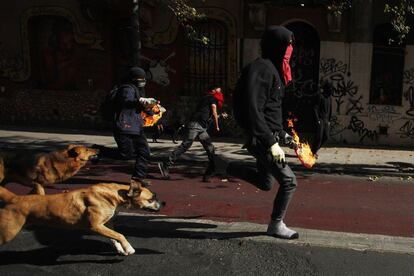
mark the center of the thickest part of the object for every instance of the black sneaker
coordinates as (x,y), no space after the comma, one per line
(164,170)
(206,178)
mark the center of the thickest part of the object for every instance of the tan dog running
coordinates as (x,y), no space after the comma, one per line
(89,208)
(43,169)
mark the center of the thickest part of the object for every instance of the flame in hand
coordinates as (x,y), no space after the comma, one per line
(303,151)
(150,120)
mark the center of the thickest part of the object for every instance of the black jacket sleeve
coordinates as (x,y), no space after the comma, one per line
(258,84)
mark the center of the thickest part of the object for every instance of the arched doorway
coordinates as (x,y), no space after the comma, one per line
(305,69)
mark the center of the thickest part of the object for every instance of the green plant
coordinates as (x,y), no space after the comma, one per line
(337,7)
(186,15)
(399,14)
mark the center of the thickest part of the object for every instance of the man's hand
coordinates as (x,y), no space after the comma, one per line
(147,101)
(278,154)
(290,141)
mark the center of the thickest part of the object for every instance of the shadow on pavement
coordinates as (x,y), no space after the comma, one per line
(61,243)
(146,227)
(84,247)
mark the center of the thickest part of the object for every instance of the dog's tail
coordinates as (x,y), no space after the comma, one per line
(5,195)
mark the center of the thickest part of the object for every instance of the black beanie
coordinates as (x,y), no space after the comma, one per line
(137,72)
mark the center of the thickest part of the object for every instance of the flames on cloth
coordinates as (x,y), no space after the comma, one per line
(303,151)
(150,120)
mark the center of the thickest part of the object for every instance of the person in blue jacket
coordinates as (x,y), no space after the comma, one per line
(128,129)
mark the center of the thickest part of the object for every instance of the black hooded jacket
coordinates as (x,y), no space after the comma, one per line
(257,101)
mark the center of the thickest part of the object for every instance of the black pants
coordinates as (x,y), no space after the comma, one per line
(130,146)
(321,135)
(194,130)
(265,175)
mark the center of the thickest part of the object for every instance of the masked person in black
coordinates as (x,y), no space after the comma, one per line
(197,128)
(257,107)
(323,113)
(128,124)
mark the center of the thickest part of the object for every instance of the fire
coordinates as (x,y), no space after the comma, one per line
(150,120)
(303,151)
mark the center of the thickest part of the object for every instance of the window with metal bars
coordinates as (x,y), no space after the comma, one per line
(387,68)
(206,64)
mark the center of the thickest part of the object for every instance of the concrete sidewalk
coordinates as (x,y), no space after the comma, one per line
(341,160)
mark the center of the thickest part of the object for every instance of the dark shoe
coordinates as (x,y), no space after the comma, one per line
(164,170)
(206,178)
(221,165)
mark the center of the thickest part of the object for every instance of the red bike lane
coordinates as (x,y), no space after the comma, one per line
(325,202)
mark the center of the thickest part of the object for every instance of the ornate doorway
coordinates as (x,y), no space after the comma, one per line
(305,69)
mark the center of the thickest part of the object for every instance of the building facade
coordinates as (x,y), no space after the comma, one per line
(58,59)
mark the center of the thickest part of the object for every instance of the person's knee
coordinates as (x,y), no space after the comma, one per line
(290,183)
(266,186)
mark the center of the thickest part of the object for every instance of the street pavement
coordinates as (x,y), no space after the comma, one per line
(354,198)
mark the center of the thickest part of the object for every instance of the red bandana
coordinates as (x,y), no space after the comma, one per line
(218,96)
(287,74)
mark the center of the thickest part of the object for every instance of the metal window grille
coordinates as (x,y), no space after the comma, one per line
(206,64)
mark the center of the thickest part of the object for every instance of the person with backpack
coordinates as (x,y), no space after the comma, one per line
(257,108)
(127,102)
(205,112)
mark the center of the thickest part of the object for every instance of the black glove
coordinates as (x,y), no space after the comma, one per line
(289,141)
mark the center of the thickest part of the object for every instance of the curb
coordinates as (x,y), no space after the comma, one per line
(257,232)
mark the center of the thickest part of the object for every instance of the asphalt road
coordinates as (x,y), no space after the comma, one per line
(183,252)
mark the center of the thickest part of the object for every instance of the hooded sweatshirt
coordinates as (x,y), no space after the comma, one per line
(257,100)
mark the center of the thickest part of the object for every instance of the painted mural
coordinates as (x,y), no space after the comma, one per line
(55,54)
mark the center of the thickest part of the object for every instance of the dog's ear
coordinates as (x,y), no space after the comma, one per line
(73,152)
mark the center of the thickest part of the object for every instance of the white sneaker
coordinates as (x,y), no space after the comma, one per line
(279,229)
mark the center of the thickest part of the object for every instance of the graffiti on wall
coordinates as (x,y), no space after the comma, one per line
(336,129)
(357,126)
(383,114)
(158,70)
(335,73)
(355,106)
(21,70)
(407,130)
(301,62)
(409,93)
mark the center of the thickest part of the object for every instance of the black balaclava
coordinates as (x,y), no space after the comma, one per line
(274,43)
(137,73)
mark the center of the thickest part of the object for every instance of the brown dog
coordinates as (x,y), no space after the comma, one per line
(43,169)
(89,208)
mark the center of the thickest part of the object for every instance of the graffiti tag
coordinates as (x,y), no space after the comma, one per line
(355,106)
(407,130)
(358,126)
(383,114)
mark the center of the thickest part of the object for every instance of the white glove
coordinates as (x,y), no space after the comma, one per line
(147,101)
(277,153)
(162,109)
